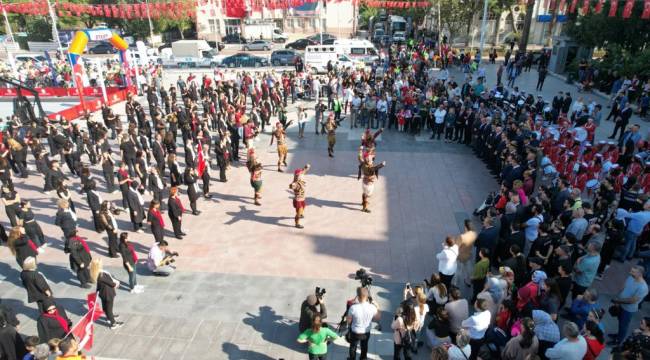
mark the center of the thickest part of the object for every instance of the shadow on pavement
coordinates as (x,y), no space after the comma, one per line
(235,353)
(251,215)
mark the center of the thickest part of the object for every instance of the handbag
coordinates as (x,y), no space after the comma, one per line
(615,310)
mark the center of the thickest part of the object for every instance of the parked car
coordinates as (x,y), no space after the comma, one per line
(317,38)
(233,39)
(284,57)
(258,45)
(102,48)
(244,60)
(377,35)
(399,36)
(300,44)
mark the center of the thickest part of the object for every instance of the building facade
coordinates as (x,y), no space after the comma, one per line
(337,18)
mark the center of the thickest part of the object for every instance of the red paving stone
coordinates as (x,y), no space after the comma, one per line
(413,209)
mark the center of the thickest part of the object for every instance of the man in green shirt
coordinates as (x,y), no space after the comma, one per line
(317,338)
(481,269)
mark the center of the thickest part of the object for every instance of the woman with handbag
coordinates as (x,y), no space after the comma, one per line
(404,324)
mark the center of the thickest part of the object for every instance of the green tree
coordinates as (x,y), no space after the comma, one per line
(456,15)
(365,13)
(600,30)
(38,29)
(497,7)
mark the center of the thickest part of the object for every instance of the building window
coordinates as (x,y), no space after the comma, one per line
(214,26)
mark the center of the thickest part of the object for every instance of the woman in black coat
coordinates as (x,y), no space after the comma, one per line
(35,283)
(108,223)
(174,170)
(66,219)
(11,201)
(136,206)
(156,222)
(11,343)
(175,211)
(53,322)
(192,188)
(32,228)
(20,245)
(129,261)
(80,259)
(106,286)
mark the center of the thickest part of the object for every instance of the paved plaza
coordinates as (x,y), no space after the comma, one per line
(244,270)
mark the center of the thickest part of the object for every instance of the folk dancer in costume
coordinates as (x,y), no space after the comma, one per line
(370,173)
(255,168)
(330,127)
(298,186)
(280,134)
(368,140)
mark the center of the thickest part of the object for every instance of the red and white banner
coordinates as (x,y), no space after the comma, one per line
(646,10)
(585,7)
(613,7)
(574,4)
(599,6)
(627,9)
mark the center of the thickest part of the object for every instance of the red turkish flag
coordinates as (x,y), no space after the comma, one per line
(551,6)
(613,7)
(200,166)
(646,10)
(627,10)
(599,6)
(562,6)
(573,6)
(83,331)
(585,7)
(107,10)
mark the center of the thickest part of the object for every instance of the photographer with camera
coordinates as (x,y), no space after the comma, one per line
(359,319)
(160,259)
(313,306)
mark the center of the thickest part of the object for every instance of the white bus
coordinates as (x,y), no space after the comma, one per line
(396,23)
(362,50)
(317,57)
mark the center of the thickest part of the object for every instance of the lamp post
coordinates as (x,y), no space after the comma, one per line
(150,23)
(55,31)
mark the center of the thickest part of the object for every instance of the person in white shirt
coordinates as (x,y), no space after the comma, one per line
(315,88)
(447,261)
(356,110)
(359,319)
(302,121)
(439,121)
(476,325)
(159,259)
(382,110)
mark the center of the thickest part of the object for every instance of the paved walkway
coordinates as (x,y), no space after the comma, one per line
(244,270)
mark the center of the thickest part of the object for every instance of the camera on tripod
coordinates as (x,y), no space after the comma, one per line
(364,277)
(319,292)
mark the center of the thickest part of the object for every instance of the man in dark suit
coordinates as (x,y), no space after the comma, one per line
(488,238)
(94,203)
(156,185)
(192,189)
(566,104)
(136,206)
(557,202)
(159,154)
(190,154)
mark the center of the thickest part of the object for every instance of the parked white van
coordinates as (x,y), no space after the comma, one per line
(357,49)
(317,56)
